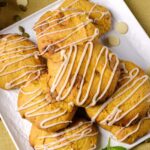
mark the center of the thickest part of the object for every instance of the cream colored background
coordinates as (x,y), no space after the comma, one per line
(140,8)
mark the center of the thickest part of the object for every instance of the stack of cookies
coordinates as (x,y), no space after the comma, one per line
(73,71)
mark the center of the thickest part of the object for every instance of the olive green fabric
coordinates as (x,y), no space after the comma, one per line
(12,10)
(5,140)
(140,8)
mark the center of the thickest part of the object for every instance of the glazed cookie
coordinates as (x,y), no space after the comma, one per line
(59,29)
(18,61)
(129,103)
(35,105)
(99,14)
(81,135)
(86,74)
(129,134)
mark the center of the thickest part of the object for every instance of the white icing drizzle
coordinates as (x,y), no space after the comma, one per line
(92,76)
(16,61)
(63,68)
(77,70)
(41,102)
(15,50)
(21,68)
(94,147)
(123,68)
(29,80)
(132,108)
(90,11)
(70,34)
(63,19)
(113,117)
(5,38)
(65,131)
(71,4)
(71,104)
(10,42)
(52,118)
(89,38)
(13,56)
(102,16)
(95,99)
(43,22)
(75,28)
(132,75)
(130,122)
(12,83)
(78,132)
(62,71)
(90,45)
(134,72)
(136,129)
(30,92)
(23,107)
(54,124)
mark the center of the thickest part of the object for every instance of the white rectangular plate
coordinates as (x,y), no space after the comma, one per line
(134,46)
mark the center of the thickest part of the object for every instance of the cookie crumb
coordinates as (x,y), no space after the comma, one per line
(121,27)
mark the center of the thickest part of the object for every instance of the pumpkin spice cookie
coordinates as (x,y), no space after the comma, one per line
(129,102)
(81,135)
(18,61)
(59,29)
(130,133)
(35,105)
(128,105)
(86,74)
(100,15)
